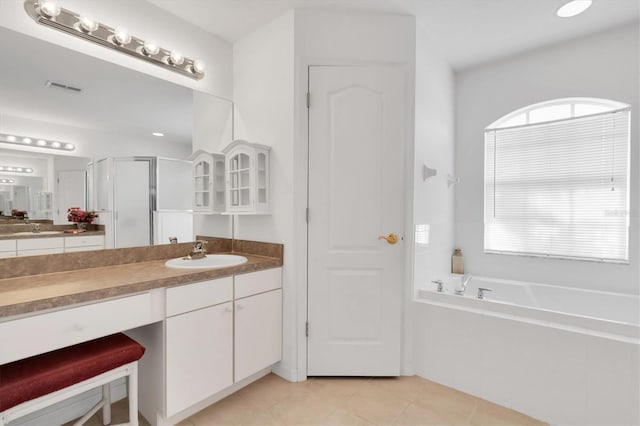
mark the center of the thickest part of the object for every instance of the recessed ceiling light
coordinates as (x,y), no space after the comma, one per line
(157,134)
(573,8)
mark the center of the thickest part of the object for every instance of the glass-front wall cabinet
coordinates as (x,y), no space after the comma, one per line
(247,178)
(208,180)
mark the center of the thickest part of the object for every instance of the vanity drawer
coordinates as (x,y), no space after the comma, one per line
(258,282)
(190,297)
(89,240)
(28,336)
(40,243)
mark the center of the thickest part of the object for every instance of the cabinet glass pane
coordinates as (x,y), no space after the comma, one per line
(245,197)
(244,179)
(244,161)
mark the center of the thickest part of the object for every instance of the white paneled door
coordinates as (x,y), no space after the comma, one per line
(356,197)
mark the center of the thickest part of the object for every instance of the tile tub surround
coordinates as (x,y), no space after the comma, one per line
(57,280)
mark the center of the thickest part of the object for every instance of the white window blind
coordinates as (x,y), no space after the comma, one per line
(559,189)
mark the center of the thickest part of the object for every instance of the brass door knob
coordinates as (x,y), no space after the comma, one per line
(391,238)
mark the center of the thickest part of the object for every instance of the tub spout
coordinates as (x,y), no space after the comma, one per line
(464,282)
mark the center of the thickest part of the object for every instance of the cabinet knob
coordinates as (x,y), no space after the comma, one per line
(228,310)
(239,306)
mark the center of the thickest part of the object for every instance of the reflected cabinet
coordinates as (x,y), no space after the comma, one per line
(247,178)
(208,182)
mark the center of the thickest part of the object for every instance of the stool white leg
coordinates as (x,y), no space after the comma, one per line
(106,408)
(133,395)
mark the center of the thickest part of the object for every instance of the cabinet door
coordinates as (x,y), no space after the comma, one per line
(202,184)
(258,333)
(199,355)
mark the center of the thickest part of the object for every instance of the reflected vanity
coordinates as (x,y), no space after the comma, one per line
(139,183)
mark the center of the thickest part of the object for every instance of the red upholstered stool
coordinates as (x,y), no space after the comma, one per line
(33,383)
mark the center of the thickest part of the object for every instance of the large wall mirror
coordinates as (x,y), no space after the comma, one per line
(113,116)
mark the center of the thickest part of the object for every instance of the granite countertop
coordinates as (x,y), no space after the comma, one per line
(32,293)
(43,234)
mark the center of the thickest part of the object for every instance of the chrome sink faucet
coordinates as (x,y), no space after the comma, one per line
(464,282)
(197,251)
(35,228)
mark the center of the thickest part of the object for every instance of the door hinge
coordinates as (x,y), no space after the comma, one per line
(308,100)
(307,215)
(306,329)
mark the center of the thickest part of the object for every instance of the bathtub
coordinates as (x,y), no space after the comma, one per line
(614,314)
(559,354)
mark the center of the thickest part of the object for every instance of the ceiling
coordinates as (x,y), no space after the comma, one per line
(114,99)
(465,32)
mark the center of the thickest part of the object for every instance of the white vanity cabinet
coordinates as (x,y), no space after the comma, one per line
(247,178)
(83,243)
(35,246)
(199,342)
(219,332)
(208,182)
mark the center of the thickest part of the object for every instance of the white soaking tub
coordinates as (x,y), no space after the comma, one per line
(559,354)
(616,314)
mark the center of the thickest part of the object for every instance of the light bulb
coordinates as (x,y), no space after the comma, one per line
(88,24)
(41,142)
(69,147)
(573,8)
(121,36)
(55,144)
(29,170)
(9,169)
(18,169)
(150,48)
(11,138)
(50,8)
(27,141)
(1,168)
(176,58)
(197,67)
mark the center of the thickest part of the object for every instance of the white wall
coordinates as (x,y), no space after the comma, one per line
(263,96)
(433,198)
(143,20)
(602,66)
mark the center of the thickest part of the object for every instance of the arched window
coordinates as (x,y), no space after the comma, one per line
(557,181)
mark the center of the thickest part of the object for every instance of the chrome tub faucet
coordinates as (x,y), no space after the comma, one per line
(464,282)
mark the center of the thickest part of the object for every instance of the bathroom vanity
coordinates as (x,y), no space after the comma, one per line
(207,332)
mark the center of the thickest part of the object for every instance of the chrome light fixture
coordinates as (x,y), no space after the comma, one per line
(16,169)
(39,143)
(50,14)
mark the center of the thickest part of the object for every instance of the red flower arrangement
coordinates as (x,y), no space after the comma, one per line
(76,214)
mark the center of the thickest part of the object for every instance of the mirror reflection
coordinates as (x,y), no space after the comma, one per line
(134,136)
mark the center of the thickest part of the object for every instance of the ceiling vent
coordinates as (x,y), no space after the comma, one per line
(53,84)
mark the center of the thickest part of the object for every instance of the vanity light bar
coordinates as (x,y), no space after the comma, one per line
(36,142)
(16,169)
(49,13)
(7,181)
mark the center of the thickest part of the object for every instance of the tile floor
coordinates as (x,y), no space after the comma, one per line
(346,401)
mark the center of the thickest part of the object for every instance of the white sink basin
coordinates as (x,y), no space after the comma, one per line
(38,233)
(211,261)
